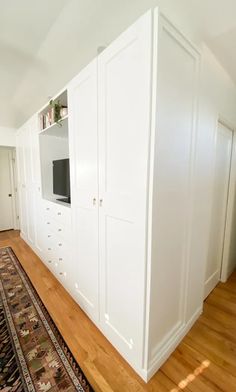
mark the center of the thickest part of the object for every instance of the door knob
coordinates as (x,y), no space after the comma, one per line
(9,195)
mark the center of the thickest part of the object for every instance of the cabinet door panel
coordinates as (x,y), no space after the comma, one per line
(84,186)
(41,226)
(124,106)
(30,190)
(22,183)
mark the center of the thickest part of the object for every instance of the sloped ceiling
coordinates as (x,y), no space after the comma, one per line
(43,44)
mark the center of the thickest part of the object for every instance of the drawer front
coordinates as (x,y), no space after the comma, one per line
(63,215)
(59,230)
(62,269)
(48,208)
(57,212)
(49,258)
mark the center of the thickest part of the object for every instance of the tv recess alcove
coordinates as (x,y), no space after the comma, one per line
(54,146)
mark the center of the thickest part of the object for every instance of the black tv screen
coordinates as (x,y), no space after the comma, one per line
(61,177)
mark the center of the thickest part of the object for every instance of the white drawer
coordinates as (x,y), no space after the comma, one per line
(48,238)
(63,215)
(59,229)
(61,271)
(48,207)
(58,217)
(48,259)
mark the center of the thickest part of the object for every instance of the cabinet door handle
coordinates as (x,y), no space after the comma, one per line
(94,201)
(100,202)
(59,213)
(60,244)
(59,229)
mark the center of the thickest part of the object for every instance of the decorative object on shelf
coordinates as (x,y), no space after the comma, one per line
(38,355)
(42,121)
(55,112)
(48,120)
(64,111)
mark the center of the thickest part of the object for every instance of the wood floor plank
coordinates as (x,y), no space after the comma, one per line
(186,373)
(204,362)
(215,347)
(202,368)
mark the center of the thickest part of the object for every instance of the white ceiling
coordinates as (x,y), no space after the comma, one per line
(43,44)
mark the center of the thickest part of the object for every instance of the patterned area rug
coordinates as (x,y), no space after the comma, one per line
(33,354)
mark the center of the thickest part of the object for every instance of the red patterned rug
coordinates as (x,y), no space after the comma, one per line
(33,354)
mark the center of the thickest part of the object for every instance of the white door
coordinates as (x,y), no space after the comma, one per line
(30,191)
(124,104)
(219,208)
(22,182)
(6,207)
(82,95)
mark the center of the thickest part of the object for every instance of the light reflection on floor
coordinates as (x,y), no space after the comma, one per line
(191,377)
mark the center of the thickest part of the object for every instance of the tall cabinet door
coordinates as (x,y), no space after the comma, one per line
(124,136)
(21,175)
(36,186)
(82,100)
(30,194)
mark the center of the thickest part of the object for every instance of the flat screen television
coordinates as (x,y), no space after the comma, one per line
(61,179)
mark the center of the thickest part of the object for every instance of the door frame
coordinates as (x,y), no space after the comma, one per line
(13,174)
(13,181)
(225,272)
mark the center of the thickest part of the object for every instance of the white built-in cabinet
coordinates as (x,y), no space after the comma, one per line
(123,249)
(83,145)
(124,97)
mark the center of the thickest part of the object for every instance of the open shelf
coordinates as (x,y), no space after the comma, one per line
(54,145)
(57,129)
(46,116)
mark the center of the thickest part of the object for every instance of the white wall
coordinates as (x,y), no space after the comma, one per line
(7,137)
(217,102)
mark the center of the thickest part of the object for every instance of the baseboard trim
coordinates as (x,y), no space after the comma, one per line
(211,283)
(38,253)
(225,276)
(168,348)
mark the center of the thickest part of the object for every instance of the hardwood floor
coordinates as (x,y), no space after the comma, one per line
(204,362)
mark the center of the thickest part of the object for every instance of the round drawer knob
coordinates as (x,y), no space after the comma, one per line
(49,261)
(59,229)
(49,248)
(59,244)
(59,213)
